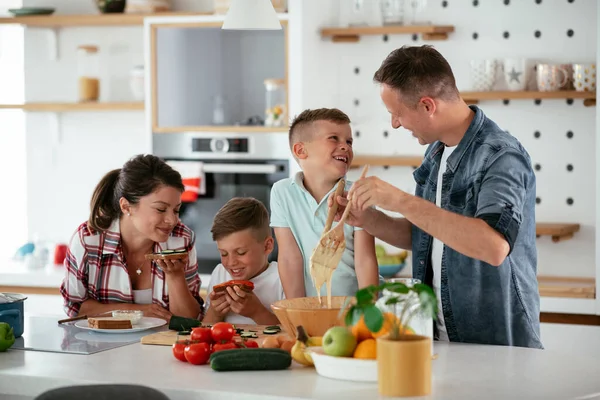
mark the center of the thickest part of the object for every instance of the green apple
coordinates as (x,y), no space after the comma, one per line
(338,341)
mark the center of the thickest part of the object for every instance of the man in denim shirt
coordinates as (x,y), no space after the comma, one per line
(471,225)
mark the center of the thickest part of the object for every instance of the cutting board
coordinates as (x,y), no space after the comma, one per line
(167,338)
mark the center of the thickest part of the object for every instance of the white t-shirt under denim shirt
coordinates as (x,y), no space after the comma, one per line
(437,249)
(267,287)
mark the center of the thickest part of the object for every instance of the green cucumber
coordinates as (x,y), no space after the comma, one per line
(250,359)
(247,334)
(167,252)
(275,327)
(182,324)
(271,331)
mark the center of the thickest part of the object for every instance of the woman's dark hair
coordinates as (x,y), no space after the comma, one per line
(139,177)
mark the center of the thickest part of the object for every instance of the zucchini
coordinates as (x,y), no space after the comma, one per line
(250,359)
(182,324)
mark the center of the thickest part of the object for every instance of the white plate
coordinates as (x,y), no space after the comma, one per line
(144,324)
(344,368)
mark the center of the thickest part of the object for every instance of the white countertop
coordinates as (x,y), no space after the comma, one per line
(15,273)
(461,371)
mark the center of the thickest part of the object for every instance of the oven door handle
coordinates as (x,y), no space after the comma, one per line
(240,168)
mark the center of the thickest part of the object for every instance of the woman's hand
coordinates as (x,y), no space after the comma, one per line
(172,266)
(156,311)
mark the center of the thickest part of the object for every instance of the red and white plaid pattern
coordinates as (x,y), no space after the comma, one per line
(94,268)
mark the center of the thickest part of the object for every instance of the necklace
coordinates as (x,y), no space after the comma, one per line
(139,269)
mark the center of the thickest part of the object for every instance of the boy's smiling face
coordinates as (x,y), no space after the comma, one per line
(242,255)
(328,151)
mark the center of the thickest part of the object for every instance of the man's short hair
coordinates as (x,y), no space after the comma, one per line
(418,71)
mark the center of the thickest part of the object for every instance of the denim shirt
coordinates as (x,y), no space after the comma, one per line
(488,176)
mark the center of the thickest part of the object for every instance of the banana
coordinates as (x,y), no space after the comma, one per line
(299,353)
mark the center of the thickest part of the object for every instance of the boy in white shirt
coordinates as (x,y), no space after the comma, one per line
(243,236)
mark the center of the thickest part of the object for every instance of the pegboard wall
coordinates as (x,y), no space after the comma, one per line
(559,134)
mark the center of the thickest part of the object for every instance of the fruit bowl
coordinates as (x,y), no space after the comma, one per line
(306,311)
(390,270)
(344,368)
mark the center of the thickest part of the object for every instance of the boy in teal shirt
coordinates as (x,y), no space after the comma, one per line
(321,142)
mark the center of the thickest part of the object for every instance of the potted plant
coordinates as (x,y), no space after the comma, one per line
(403,359)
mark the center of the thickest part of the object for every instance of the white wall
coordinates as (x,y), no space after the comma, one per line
(13,200)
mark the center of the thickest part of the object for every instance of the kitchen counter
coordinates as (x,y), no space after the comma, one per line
(461,371)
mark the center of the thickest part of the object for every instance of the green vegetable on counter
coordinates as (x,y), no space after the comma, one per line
(250,359)
(7,337)
(183,324)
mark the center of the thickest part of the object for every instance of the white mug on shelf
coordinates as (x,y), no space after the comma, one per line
(551,78)
(483,74)
(584,77)
(517,72)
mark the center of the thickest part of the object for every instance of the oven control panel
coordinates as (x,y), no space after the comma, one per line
(220,145)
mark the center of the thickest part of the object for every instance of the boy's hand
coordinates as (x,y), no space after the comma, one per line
(219,304)
(243,303)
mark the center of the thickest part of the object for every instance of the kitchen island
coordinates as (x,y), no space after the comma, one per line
(461,371)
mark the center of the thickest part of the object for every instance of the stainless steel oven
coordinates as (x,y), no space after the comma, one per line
(235,165)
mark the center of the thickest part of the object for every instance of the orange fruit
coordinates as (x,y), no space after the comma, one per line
(360,330)
(388,320)
(367,349)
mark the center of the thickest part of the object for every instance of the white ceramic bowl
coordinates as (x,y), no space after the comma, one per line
(344,368)
(133,315)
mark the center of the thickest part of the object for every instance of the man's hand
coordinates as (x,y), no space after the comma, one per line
(243,303)
(219,304)
(356,217)
(372,191)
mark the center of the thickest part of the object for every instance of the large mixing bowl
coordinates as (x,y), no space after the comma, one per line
(306,311)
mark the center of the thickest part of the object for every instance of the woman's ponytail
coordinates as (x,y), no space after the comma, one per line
(104,205)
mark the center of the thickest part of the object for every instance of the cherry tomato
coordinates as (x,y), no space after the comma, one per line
(178,350)
(251,344)
(202,335)
(197,353)
(222,332)
(224,346)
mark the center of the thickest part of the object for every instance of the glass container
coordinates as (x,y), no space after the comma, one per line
(275,112)
(88,73)
(392,12)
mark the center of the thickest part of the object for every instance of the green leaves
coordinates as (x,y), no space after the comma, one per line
(373,318)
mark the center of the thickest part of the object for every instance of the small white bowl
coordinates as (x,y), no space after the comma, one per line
(344,368)
(133,315)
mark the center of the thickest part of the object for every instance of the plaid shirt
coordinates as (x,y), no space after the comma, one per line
(94,268)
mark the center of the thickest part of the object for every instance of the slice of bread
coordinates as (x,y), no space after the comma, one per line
(109,323)
(244,285)
(168,255)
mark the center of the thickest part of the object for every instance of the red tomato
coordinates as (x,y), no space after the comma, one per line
(224,346)
(197,353)
(178,350)
(222,332)
(202,335)
(251,344)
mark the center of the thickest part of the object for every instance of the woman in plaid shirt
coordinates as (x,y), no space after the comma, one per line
(134,211)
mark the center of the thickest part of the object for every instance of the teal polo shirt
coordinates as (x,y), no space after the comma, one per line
(292,206)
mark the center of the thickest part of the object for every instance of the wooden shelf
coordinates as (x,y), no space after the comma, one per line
(353,34)
(58,20)
(74,107)
(219,128)
(558,286)
(396,161)
(559,232)
(589,98)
